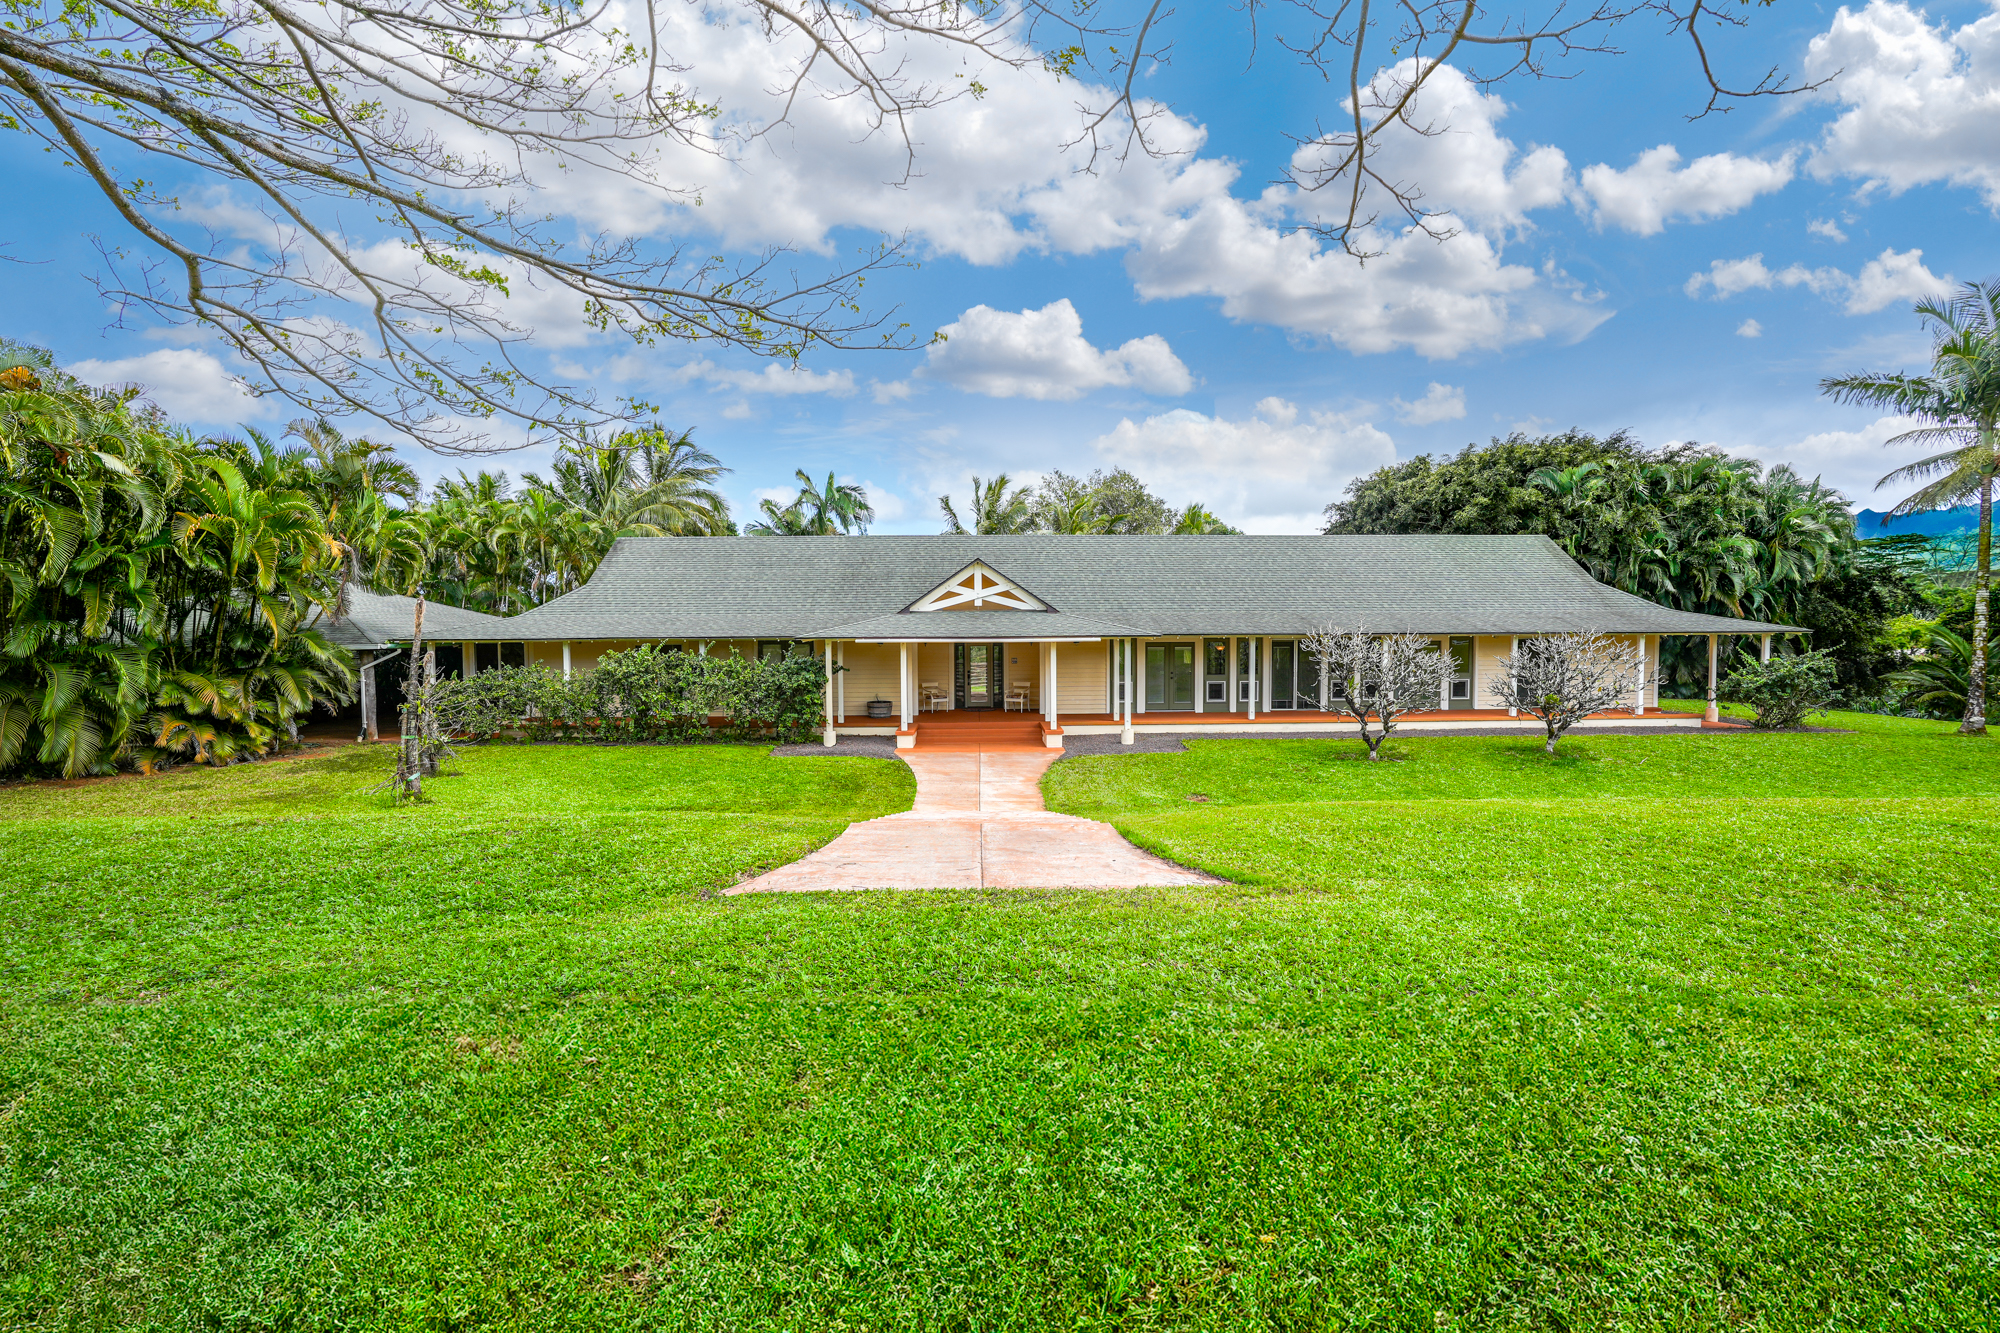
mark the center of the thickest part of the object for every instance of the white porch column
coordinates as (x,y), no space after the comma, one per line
(826,651)
(1269,675)
(467,658)
(1513,651)
(1055,689)
(565,659)
(370,731)
(1139,676)
(1764,652)
(1711,713)
(840,683)
(1639,690)
(903,686)
(1256,676)
(1131,647)
(1232,676)
(1200,674)
(1444,686)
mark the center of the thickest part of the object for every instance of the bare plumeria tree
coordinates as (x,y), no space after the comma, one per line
(1377,678)
(398,159)
(1564,678)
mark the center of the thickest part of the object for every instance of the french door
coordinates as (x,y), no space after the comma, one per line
(1169,677)
(982,674)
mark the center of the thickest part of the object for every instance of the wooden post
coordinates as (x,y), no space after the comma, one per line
(1711,713)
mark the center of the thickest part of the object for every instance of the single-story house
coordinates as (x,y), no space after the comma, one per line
(377,628)
(1085,634)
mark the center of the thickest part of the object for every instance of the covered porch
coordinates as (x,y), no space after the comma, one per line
(1001,693)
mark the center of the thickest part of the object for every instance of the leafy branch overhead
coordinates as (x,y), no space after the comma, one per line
(383,241)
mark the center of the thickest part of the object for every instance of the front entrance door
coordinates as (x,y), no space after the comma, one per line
(1169,677)
(982,674)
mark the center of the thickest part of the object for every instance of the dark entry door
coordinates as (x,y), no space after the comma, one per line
(981,675)
(1169,677)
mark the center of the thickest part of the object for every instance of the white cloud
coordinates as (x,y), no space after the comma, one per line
(1643,197)
(1464,167)
(1043,354)
(1852,460)
(1749,328)
(780,379)
(188,385)
(1442,402)
(1890,277)
(1921,101)
(888,505)
(1827,228)
(1269,472)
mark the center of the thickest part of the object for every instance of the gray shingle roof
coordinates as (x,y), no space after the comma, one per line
(855,587)
(376,620)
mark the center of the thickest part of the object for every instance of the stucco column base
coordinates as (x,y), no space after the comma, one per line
(1052,736)
(906,739)
(1125,736)
(826,738)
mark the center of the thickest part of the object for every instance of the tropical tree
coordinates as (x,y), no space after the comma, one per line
(1197,521)
(644,483)
(1959,402)
(1079,515)
(781,521)
(158,589)
(996,509)
(827,510)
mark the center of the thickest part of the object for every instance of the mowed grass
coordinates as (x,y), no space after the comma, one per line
(1669,1032)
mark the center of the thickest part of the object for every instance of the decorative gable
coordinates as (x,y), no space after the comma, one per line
(978,587)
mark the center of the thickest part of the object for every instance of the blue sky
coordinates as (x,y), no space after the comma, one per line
(1617,266)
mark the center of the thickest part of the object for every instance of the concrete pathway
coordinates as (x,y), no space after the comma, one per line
(978,822)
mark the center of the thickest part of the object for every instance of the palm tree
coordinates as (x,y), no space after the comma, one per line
(994,509)
(835,506)
(643,483)
(1197,521)
(1080,515)
(781,521)
(1960,399)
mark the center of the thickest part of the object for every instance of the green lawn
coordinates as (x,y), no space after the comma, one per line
(1693,1032)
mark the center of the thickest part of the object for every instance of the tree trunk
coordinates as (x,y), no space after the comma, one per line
(1549,745)
(1975,685)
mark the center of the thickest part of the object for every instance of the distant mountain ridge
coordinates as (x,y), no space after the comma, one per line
(1877,523)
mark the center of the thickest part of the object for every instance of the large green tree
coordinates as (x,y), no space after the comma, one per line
(1685,526)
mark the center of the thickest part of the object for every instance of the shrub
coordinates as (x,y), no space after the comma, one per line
(643,694)
(1784,690)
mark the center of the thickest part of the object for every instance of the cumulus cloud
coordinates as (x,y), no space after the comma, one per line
(1826,228)
(1921,100)
(1890,277)
(1643,197)
(1852,460)
(1043,354)
(779,379)
(1442,402)
(187,384)
(1256,471)
(1749,328)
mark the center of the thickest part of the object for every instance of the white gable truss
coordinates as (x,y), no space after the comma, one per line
(978,586)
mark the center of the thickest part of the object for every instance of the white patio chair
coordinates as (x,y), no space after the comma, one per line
(934,697)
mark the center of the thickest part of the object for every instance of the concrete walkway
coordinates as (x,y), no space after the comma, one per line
(978,823)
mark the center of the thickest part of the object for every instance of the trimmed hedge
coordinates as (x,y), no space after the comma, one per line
(643,694)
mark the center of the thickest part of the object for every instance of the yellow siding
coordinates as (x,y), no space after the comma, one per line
(1488,677)
(1023,662)
(1081,678)
(934,664)
(871,674)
